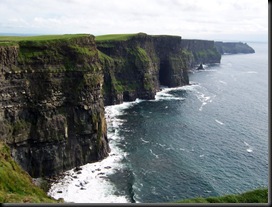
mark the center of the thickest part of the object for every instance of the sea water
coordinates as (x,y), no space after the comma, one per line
(208,138)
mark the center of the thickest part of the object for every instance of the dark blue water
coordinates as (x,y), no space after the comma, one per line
(206,139)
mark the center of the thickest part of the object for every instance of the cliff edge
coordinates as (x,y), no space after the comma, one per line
(51,104)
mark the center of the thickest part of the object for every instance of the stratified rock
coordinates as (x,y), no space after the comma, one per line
(45,87)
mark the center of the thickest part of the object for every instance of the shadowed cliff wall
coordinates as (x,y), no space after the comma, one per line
(51,104)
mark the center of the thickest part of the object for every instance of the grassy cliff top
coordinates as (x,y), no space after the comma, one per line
(123,37)
(13,40)
(15,184)
(114,37)
(254,196)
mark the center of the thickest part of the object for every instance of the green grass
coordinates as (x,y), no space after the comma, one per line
(14,40)
(114,37)
(15,184)
(254,196)
(39,38)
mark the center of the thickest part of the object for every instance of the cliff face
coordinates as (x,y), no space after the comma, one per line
(51,104)
(135,68)
(233,48)
(204,51)
(53,91)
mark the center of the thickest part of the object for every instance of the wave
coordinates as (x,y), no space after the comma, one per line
(157,156)
(94,177)
(164,95)
(144,141)
(92,180)
(194,87)
(249,149)
(203,98)
(219,122)
(249,72)
(220,81)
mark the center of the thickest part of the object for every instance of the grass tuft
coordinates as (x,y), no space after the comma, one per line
(254,196)
(114,37)
(16,185)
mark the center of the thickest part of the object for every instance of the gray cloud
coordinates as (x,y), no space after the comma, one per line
(188,18)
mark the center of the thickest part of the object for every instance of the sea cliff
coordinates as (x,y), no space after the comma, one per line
(54,89)
(233,48)
(136,65)
(51,105)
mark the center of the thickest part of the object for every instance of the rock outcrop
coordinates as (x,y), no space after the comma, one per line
(51,106)
(233,48)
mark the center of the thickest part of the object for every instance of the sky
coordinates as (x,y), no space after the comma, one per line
(239,20)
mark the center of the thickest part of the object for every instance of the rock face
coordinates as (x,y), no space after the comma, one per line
(233,48)
(53,91)
(136,67)
(203,51)
(51,106)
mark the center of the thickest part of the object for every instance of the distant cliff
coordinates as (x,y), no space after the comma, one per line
(203,51)
(51,104)
(233,47)
(136,65)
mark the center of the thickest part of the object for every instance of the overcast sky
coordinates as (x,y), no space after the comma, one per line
(241,20)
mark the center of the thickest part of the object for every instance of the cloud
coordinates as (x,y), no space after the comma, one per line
(189,18)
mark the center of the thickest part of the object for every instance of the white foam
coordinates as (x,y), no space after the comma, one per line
(254,72)
(203,98)
(223,82)
(144,140)
(201,155)
(92,185)
(165,95)
(157,156)
(219,122)
(249,150)
(162,145)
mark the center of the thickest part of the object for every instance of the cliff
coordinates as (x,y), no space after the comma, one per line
(54,88)
(135,65)
(233,48)
(203,51)
(51,104)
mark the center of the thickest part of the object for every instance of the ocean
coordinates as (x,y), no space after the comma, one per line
(209,138)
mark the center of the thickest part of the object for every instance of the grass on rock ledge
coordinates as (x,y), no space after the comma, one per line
(16,185)
(254,196)
(114,37)
(9,40)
